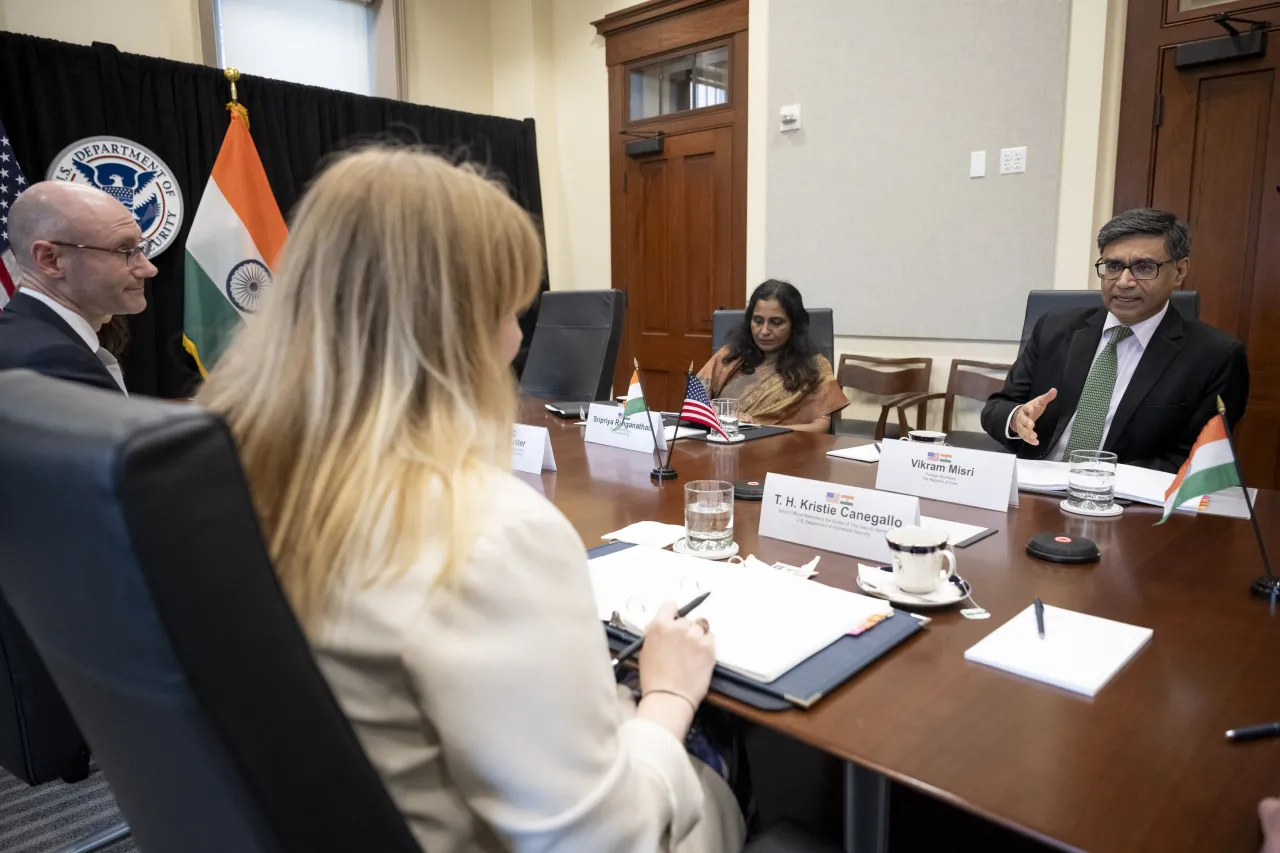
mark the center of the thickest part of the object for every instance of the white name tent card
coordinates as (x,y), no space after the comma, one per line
(1079,652)
(834,517)
(957,475)
(606,426)
(531,449)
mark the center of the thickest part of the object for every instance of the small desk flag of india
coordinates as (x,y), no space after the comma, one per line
(234,242)
(1210,468)
(635,400)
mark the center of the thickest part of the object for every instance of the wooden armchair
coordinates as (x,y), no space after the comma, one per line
(965,380)
(896,379)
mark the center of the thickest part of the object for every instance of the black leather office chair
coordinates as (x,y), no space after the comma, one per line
(821,329)
(133,558)
(1041,302)
(39,741)
(575,345)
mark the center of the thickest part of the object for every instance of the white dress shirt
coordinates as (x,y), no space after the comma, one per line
(81,327)
(1128,353)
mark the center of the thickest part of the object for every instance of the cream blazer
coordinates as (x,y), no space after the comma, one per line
(490,710)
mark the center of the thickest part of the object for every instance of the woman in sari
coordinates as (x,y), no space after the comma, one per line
(771,368)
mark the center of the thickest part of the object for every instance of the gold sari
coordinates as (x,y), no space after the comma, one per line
(766,401)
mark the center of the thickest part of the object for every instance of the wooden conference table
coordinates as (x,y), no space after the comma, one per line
(1142,766)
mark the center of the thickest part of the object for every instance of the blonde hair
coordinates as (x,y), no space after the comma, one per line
(371,387)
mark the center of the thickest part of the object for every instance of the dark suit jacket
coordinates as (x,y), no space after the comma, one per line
(34,337)
(1170,398)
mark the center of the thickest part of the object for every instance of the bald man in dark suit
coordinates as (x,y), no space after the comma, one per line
(81,261)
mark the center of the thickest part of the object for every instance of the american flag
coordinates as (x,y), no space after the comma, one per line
(697,406)
(12,183)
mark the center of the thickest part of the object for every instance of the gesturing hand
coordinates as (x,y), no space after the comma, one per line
(1024,422)
(1269,814)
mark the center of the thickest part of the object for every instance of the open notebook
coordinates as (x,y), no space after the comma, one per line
(1141,485)
(765,622)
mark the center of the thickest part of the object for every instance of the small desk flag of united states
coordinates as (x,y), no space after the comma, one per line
(697,407)
(12,183)
(1210,468)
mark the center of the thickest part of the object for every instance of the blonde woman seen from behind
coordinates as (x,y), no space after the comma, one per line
(449,603)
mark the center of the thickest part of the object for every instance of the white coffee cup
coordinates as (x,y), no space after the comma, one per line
(925,436)
(918,556)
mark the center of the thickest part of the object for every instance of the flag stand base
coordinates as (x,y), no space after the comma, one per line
(1265,587)
(666,472)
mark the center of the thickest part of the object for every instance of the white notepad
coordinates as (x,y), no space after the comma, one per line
(1079,652)
(765,622)
(861,453)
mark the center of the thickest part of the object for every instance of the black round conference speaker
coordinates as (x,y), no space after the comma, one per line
(1061,548)
(748,490)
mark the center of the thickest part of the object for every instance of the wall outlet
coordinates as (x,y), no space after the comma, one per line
(977,164)
(1013,160)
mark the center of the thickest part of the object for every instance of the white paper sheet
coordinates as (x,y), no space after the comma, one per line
(1079,652)
(685,432)
(861,453)
(765,622)
(655,534)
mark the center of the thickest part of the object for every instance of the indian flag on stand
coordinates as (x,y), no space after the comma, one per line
(233,245)
(635,399)
(1210,468)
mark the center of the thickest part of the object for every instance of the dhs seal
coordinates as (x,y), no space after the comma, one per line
(134,176)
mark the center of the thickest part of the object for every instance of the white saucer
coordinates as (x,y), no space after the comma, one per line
(945,595)
(715,436)
(1115,510)
(681,548)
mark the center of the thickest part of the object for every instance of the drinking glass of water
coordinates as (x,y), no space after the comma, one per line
(727,412)
(708,516)
(1091,480)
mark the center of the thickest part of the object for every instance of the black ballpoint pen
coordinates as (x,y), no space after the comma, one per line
(1253,732)
(635,646)
(1040,616)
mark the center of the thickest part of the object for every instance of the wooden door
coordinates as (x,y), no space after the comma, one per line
(677,68)
(1203,141)
(1217,165)
(678,262)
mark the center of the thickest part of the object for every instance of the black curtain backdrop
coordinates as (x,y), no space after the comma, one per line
(53,94)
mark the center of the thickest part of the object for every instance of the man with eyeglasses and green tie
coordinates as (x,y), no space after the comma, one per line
(82,261)
(1133,377)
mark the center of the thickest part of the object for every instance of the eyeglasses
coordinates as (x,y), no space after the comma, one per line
(132,257)
(1142,270)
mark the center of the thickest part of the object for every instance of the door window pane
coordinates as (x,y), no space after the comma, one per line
(711,78)
(1192,5)
(679,84)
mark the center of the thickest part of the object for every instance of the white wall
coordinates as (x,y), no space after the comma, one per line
(450,54)
(1088,168)
(164,28)
(872,211)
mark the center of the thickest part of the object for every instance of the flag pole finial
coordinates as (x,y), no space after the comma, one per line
(237,109)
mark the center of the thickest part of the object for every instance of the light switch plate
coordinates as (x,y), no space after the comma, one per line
(977,164)
(789,118)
